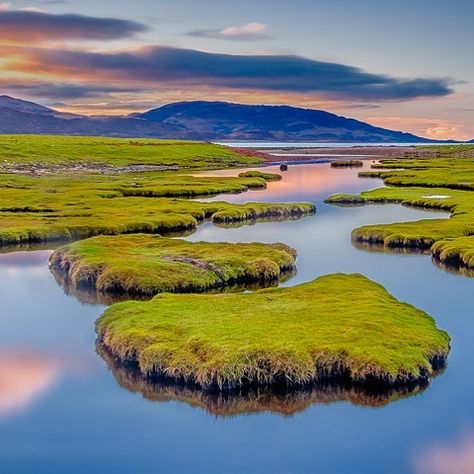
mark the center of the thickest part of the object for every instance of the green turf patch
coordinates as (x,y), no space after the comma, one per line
(337,326)
(145,265)
(260,174)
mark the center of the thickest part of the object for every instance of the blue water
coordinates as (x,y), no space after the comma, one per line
(62,409)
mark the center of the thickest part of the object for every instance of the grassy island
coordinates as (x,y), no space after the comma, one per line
(445,184)
(145,265)
(347,164)
(260,174)
(290,336)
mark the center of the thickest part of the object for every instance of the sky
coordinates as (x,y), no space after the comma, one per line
(405,65)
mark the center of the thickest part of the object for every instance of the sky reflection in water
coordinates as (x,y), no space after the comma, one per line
(76,417)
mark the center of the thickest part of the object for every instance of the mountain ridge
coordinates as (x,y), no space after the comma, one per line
(201,120)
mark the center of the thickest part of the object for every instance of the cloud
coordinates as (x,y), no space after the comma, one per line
(436,128)
(63,91)
(28,26)
(187,68)
(253,31)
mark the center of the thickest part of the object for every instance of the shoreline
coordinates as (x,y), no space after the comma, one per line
(303,155)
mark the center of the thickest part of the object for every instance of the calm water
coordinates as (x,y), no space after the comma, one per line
(268,144)
(63,410)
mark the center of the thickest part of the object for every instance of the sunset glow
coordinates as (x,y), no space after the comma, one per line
(78,57)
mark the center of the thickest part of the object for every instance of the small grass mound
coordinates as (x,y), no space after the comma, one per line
(254,211)
(347,164)
(259,174)
(290,336)
(145,265)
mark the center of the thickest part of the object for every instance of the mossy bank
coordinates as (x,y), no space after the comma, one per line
(335,327)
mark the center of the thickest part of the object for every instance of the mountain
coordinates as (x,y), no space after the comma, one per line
(221,120)
(11,103)
(199,121)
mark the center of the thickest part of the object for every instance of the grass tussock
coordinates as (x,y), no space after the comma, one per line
(260,174)
(347,164)
(144,265)
(290,336)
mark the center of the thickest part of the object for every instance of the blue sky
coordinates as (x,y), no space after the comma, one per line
(403,65)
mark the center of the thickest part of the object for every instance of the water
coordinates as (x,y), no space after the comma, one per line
(270,144)
(62,409)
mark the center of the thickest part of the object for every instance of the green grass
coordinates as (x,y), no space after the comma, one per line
(61,150)
(77,205)
(437,183)
(69,201)
(346,164)
(145,265)
(335,326)
(260,174)
(453,173)
(455,252)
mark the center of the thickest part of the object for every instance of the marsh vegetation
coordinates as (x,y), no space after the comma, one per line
(445,184)
(143,265)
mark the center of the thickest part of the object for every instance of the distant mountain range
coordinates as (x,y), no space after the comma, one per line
(199,121)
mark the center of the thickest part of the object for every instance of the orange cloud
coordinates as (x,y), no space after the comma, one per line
(438,129)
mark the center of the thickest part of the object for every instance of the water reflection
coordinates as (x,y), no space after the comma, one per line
(281,401)
(381,248)
(24,377)
(91,296)
(452,457)
(79,425)
(298,185)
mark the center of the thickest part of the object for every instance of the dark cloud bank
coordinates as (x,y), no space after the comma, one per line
(265,72)
(28,26)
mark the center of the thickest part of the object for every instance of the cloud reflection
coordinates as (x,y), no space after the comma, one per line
(23,378)
(454,458)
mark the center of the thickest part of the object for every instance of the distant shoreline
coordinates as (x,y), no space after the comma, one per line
(284,154)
